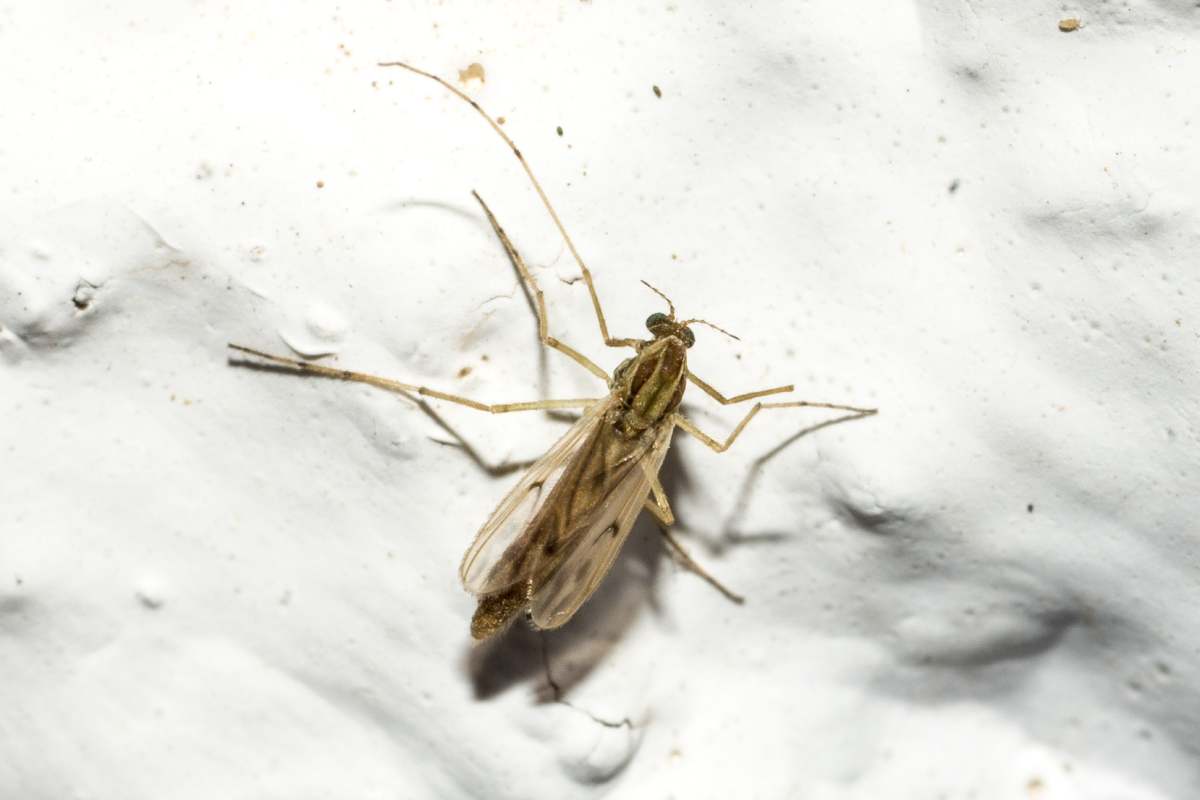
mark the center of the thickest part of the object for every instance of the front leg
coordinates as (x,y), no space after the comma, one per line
(721,447)
(725,401)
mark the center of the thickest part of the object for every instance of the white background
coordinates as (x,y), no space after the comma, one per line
(225,582)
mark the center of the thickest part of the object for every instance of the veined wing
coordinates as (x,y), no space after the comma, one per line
(593,545)
(484,567)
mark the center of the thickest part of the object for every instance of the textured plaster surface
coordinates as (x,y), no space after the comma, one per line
(218,581)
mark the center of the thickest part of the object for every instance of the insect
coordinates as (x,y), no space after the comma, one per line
(553,538)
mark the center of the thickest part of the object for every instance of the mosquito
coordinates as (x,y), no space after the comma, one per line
(554,537)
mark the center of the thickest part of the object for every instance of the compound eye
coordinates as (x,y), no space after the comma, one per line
(656,319)
(688,337)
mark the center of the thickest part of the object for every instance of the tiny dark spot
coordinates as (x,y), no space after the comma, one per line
(1029,508)
(559,129)
(953,187)
(657,91)
(320,184)
(517,152)
(464,372)
(150,600)
(550,548)
(84,293)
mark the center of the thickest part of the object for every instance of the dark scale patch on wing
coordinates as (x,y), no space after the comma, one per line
(598,468)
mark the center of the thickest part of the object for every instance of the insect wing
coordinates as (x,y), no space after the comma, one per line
(509,521)
(594,549)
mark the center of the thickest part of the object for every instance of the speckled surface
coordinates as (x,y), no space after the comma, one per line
(227,582)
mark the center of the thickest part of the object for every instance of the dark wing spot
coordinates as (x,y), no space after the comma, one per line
(611,530)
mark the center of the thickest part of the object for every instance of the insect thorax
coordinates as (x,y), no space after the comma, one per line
(650,385)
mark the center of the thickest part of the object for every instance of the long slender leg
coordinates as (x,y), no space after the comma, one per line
(721,447)
(397,386)
(658,505)
(725,401)
(539,298)
(587,274)
(661,509)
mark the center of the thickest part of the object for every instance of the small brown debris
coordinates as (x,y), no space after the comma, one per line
(657,91)
(500,120)
(559,129)
(320,184)
(1068,25)
(472,72)
(464,372)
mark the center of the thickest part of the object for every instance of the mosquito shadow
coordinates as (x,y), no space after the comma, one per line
(521,654)
(560,659)
(731,534)
(461,211)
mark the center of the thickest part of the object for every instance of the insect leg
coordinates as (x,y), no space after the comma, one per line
(721,447)
(691,564)
(404,388)
(539,299)
(725,401)
(587,275)
(660,507)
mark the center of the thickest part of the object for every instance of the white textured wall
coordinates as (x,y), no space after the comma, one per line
(225,582)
